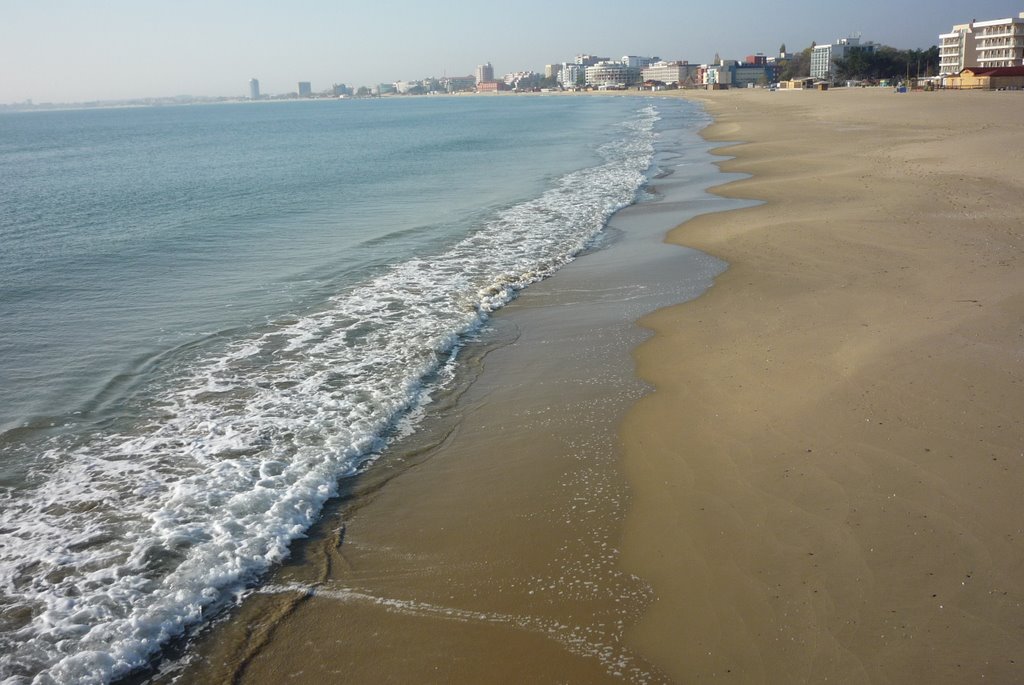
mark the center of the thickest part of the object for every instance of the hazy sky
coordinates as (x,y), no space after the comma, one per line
(68,51)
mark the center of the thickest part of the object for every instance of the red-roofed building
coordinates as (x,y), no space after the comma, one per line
(987,78)
(490,86)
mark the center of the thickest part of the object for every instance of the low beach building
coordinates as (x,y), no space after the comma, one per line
(991,78)
(797,83)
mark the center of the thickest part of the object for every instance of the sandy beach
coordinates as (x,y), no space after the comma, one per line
(812,472)
(826,484)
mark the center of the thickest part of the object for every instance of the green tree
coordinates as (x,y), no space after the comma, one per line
(799,66)
(886,63)
(857,64)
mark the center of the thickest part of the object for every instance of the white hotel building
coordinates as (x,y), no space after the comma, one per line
(610,75)
(670,72)
(571,74)
(822,56)
(993,43)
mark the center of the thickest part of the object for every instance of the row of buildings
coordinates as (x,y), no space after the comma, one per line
(980,46)
(986,49)
(603,73)
(976,46)
(991,52)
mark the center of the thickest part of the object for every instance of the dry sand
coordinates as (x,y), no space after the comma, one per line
(828,483)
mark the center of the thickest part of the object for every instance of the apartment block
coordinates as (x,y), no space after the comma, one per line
(637,62)
(985,44)
(1000,42)
(571,74)
(823,56)
(680,73)
(484,73)
(957,49)
(612,75)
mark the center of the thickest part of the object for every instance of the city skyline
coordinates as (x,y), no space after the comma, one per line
(60,51)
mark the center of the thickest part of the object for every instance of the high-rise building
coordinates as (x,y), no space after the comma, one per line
(305,89)
(571,75)
(635,62)
(254,89)
(590,60)
(484,73)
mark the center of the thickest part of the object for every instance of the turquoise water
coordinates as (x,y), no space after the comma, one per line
(210,314)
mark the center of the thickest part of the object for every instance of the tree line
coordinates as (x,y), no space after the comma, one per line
(887,63)
(861,64)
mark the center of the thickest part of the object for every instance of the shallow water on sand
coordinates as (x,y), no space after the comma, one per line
(487,542)
(214,313)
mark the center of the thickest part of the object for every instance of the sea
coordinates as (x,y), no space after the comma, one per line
(212,314)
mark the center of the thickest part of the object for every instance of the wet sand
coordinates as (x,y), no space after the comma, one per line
(827,483)
(485,548)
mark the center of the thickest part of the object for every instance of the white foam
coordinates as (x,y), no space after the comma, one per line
(135,530)
(604,646)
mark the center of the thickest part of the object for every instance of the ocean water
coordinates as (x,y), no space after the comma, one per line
(209,315)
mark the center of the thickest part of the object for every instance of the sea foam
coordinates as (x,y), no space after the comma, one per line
(137,528)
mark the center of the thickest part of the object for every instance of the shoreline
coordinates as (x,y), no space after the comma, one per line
(822,484)
(487,542)
(825,482)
